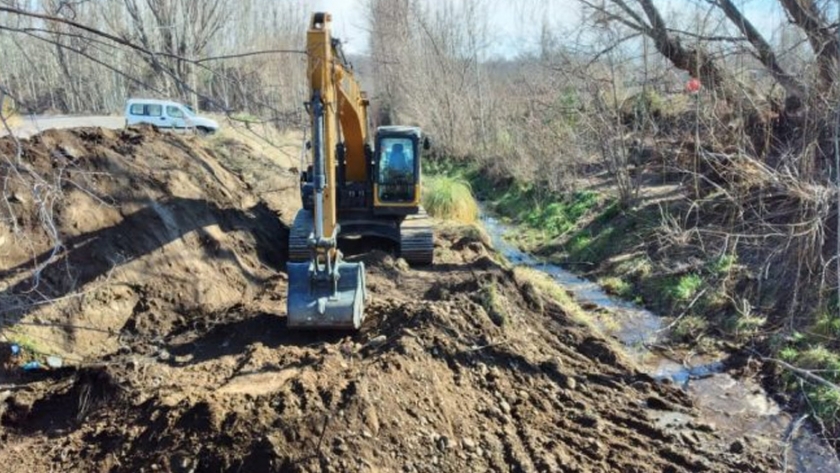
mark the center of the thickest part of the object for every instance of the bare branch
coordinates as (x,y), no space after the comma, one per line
(764,50)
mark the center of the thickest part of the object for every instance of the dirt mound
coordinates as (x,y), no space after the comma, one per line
(170,301)
(119,227)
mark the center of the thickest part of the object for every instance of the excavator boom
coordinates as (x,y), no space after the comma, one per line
(325,292)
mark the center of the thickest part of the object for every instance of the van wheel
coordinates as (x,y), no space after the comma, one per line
(203,131)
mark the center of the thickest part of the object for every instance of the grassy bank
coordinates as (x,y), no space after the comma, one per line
(714,293)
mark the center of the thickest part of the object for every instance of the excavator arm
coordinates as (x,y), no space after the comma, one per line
(327,292)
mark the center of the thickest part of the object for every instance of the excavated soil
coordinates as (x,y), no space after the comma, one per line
(166,305)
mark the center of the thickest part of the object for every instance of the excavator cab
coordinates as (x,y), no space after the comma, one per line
(396,186)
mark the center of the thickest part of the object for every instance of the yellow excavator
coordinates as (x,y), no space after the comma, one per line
(350,188)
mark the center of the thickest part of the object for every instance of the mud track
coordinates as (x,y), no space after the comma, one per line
(168,308)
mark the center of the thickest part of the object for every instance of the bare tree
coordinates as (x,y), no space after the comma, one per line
(182,28)
(810,17)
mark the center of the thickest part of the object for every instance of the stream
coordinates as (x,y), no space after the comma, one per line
(737,408)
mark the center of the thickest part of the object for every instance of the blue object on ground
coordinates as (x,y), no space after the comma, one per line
(32,366)
(15,349)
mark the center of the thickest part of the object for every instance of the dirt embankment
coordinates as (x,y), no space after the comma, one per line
(169,296)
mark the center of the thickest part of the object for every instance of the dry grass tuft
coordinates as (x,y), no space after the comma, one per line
(450,198)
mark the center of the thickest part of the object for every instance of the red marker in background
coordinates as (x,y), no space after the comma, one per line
(693,86)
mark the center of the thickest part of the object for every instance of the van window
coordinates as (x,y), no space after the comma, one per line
(137,109)
(174,112)
(154,110)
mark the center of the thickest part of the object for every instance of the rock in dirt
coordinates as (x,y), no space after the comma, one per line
(402,265)
(377,341)
(163,355)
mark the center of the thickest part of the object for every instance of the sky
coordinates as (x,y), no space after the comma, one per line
(349,22)
(516,23)
(506,19)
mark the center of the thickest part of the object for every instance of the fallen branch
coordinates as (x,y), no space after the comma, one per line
(684,312)
(804,373)
(789,439)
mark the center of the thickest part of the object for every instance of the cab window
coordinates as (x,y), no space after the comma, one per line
(397,171)
(396,161)
(174,112)
(137,109)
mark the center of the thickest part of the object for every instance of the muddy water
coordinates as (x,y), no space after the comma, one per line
(737,408)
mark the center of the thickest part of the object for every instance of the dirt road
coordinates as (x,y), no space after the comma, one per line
(168,299)
(33,124)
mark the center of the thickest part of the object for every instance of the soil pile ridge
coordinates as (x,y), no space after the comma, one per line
(170,308)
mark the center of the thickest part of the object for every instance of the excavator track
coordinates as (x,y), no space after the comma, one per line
(417,242)
(299,236)
(416,238)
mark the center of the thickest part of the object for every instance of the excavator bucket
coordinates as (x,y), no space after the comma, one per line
(315,304)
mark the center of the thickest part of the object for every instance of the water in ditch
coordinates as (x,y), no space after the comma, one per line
(738,408)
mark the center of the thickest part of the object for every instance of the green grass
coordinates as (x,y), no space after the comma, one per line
(585,246)
(823,401)
(616,285)
(809,352)
(686,287)
(743,327)
(601,237)
(552,215)
(689,327)
(638,267)
(826,324)
(722,265)
(579,244)
(788,354)
(494,304)
(610,233)
(821,359)
(450,198)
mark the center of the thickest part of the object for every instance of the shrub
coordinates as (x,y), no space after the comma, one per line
(686,287)
(450,198)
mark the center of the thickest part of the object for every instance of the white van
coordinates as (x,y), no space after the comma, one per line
(166,114)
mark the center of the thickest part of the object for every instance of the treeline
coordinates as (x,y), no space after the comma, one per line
(81,57)
(605,94)
(755,145)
